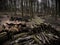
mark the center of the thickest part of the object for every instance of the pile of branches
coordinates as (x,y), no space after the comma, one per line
(41,35)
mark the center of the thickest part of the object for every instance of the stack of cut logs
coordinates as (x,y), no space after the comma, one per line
(41,35)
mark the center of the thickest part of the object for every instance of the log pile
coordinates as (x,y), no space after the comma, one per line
(41,35)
